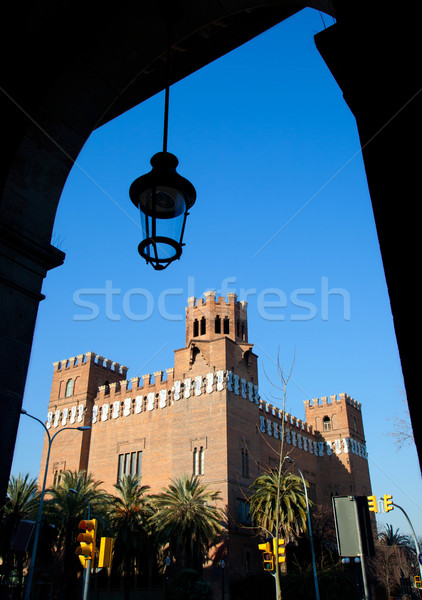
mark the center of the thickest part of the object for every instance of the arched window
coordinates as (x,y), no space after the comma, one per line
(326,423)
(226,325)
(69,388)
(203,326)
(217,324)
(107,388)
(195,328)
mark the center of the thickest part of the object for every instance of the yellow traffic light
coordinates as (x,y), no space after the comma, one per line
(418,583)
(86,548)
(372,503)
(281,551)
(106,549)
(267,557)
(388,502)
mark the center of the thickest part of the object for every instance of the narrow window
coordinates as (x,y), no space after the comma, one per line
(243,330)
(69,388)
(203,326)
(195,328)
(226,325)
(201,461)
(133,464)
(244,462)
(107,388)
(326,423)
(139,464)
(217,324)
(238,328)
(127,463)
(195,462)
(120,468)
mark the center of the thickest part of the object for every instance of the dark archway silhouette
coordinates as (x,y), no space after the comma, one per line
(69,68)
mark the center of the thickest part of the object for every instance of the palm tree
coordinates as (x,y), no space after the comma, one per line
(389,537)
(21,503)
(403,543)
(65,510)
(130,512)
(292,504)
(188,520)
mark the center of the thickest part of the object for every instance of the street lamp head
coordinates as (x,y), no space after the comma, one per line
(23,411)
(84,428)
(163,198)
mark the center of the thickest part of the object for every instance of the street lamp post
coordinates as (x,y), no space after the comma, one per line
(38,521)
(309,528)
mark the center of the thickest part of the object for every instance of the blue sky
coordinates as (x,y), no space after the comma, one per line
(283,218)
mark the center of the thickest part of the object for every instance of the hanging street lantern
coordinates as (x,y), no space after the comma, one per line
(164,198)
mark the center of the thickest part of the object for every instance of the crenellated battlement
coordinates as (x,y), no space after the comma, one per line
(332,400)
(210,299)
(93,358)
(289,419)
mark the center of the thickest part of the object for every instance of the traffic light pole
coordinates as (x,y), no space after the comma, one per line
(87,579)
(415,539)
(87,574)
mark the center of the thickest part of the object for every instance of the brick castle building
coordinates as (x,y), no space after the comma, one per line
(202,416)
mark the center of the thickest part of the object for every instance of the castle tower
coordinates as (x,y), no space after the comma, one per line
(217,337)
(337,421)
(211,318)
(75,385)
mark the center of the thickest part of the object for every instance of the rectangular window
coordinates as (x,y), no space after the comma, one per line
(195,462)
(129,463)
(198,461)
(120,467)
(201,460)
(244,462)
(243,515)
(139,464)
(133,464)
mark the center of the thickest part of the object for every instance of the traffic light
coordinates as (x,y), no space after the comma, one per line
(86,548)
(372,503)
(280,553)
(418,583)
(106,549)
(267,556)
(388,502)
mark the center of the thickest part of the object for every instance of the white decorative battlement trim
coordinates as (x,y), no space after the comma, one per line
(316,447)
(297,432)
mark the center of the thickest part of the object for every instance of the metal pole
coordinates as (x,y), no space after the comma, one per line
(38,521)
(362,561)
(87,579)
(309,529)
